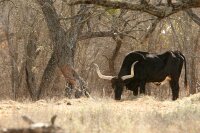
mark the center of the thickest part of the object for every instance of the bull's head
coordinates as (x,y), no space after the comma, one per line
(117,82)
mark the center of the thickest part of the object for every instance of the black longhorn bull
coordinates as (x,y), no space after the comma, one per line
(139,68)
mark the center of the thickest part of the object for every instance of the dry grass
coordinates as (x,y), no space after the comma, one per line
(143,114)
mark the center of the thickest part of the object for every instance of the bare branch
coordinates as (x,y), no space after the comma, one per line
(175,37)
(53,118)
(138,23)
(27,120)
(193,16)
(169,2)
(88,35)
(151,29)
(3,1)
(159,11)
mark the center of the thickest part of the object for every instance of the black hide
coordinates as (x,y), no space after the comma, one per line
(150,68)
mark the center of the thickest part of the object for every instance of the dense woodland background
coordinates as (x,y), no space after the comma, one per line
(46,45)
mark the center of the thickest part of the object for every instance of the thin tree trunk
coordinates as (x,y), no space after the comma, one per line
(16,73)
(13,58)
(193,66)
(114,55)
(30,65)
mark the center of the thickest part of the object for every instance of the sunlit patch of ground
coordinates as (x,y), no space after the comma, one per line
(142,114)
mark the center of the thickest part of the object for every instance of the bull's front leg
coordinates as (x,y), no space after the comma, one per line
(135,91)
(133,86)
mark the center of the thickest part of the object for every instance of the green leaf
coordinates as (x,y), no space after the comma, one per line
(112,11)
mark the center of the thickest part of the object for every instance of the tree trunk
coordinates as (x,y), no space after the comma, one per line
(64,43)
(30,65)
(48,76)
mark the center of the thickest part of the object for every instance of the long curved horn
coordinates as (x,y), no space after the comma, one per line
(132,72)
(101,75)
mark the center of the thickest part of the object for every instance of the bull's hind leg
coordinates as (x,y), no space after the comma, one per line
(175,89)
(142,88)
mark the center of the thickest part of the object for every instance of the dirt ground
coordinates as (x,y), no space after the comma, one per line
(142,114)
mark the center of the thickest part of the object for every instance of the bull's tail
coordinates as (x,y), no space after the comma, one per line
(185,74)
(185,82)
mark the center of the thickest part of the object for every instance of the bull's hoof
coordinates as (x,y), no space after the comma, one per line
(117,99)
